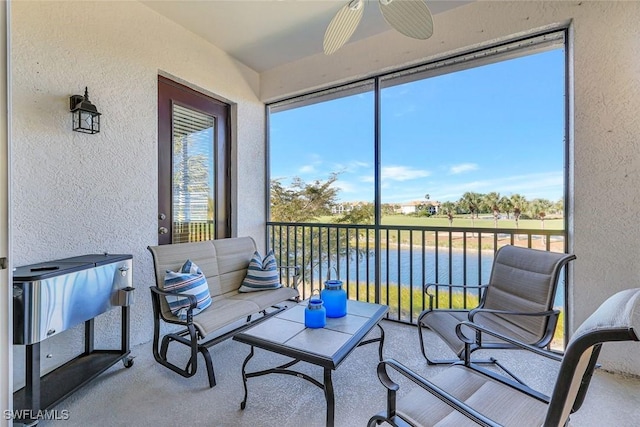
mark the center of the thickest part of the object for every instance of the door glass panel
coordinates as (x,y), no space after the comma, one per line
(192,175)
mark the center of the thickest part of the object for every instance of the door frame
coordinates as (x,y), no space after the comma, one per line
(196,100)
(6,308)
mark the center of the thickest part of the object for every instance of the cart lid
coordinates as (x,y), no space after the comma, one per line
(48,269)
(98,259)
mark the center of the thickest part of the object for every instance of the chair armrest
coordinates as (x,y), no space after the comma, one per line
(425,384)
(431,295)
(473,312)
(296,274)
(447,285)
(193,302)
(469,341)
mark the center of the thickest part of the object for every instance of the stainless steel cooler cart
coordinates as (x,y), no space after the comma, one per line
(53,296)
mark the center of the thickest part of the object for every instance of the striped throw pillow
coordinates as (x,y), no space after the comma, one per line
(189,280)
(262,274)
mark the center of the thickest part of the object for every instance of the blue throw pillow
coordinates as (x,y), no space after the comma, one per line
(262,274)
(189,280)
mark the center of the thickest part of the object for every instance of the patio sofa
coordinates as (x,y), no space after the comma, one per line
(224,263)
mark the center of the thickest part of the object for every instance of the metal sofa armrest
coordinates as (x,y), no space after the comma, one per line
(156,293)
(295,276)
(425,384)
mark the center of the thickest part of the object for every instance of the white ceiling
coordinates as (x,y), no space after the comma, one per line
(264,34)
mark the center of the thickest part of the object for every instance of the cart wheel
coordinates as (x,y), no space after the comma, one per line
(128,362)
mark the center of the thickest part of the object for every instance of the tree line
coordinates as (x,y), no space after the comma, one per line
(303,202)
(516,206)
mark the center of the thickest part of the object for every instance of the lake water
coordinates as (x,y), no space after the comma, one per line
(396,267)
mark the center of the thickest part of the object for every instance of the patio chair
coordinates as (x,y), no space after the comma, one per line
(517,302)
(467,394)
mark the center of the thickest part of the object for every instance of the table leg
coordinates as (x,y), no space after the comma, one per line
(381,342)
(243,404)
(32,378)
(328,393)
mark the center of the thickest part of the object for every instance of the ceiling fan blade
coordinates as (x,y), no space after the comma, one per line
(409,17)
(342,26)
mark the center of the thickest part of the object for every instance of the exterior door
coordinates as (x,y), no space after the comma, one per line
(193,165)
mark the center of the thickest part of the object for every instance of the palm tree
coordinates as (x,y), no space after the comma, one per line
(539,208)
(448,208)
(470,202)
(505,205)
(519,204)
(490,200)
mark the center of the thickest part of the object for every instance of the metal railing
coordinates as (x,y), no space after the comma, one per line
(393,268)
(193,231)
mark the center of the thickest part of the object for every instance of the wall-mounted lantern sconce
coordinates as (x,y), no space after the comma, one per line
(86,118)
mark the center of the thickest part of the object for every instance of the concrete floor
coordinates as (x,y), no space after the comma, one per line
(149,394)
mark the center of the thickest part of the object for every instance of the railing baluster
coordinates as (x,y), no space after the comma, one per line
(387,264)
(410,277)
(464,268)
(424,268)
(368,265)
(399,281)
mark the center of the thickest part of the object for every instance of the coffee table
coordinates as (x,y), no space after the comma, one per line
(327,347)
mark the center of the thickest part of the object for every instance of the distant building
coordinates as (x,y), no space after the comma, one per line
(414,206)
(344,207)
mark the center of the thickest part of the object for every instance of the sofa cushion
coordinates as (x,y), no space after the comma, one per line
(262,274)
(188,280)
(264,300)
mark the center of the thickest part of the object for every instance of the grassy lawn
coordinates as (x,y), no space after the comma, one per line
(534,224)
(461,221)
(457,239)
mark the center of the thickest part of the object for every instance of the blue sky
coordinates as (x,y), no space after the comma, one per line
(498,127)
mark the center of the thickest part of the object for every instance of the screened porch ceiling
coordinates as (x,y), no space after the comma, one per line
(264,34)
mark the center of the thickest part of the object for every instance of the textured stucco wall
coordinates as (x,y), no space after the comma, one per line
(605,161)
(75,193)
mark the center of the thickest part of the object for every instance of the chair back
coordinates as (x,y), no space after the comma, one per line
(525,280)
(617,319)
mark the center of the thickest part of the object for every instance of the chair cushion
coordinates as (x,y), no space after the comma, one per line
(188,280)
(262,274)
(493,399)
(443,323)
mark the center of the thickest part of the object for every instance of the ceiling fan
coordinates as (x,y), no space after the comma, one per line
(410,17)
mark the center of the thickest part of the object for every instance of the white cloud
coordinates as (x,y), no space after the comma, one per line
(403,173)
(307,169)
(345,187)
(408,109)
(463,167)
(351,166)
(546,185)
(358,164)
